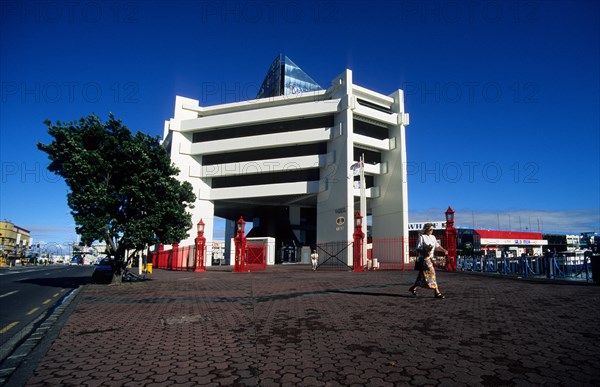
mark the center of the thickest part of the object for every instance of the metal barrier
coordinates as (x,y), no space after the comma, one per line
(389,253)
(334,255)
(383,253)
(256,257)
(177,258)
(554,267)
(184,258)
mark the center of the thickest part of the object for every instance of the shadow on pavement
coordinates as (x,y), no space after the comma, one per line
(59,282)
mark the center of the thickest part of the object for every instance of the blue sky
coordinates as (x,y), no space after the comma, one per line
(503,97)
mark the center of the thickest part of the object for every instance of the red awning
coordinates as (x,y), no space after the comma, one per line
(498,234)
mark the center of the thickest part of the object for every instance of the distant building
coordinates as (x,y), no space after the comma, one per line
(14,240)
(88,255)
(560,243)
(437,225)
(218,253)
(511,243)
(282,161)
(472,242)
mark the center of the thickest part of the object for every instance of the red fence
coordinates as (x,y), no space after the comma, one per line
(256,257)
(389,253)
(181,258)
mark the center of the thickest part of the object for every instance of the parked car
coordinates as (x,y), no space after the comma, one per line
(76,260)
(103,272)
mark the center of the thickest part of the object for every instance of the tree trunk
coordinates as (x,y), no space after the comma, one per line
(117,278)
(118,271)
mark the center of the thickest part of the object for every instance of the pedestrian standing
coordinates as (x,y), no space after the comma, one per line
(426,246)
(314,259)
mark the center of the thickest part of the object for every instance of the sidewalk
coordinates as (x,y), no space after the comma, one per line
(292,327)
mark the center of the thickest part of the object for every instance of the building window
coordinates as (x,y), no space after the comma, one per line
(264,128)
(370,130)
(371,157)
(262,154)
(266,178)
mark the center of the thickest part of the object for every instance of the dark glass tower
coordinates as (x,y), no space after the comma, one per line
(284,78)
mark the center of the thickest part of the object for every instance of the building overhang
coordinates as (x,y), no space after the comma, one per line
(253,104)
(260,115)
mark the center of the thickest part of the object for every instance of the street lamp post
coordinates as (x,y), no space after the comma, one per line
(200,248)
(358,243)
(451,237)
(240,246)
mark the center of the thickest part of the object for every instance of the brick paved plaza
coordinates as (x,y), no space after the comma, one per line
(292,327)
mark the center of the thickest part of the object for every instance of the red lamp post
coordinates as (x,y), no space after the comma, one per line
(200,249)
(451,238)
(359,236)
(240,247)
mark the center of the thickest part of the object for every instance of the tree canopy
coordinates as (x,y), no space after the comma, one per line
(123,189)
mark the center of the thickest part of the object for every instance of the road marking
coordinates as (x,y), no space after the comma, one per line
(47,301)
(9,293)
(14,272)
(56,294)
(32,311)
(8,327)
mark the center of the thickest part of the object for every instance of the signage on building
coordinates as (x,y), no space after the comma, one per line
(439,225)
(498,241)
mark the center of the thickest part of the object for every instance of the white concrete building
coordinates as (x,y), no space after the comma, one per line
(282,161)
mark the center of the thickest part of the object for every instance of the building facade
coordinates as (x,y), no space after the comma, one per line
(14,240)
(560,243)
(511,243)
(283,161)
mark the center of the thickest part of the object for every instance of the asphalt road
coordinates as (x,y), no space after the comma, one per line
(29,294)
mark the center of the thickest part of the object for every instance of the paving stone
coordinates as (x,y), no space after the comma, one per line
(290,326)
(203,380)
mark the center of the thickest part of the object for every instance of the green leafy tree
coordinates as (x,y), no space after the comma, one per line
(123,189)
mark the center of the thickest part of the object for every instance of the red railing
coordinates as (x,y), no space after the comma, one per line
(183,258)
(389,253)
(177,258)
(256,257)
